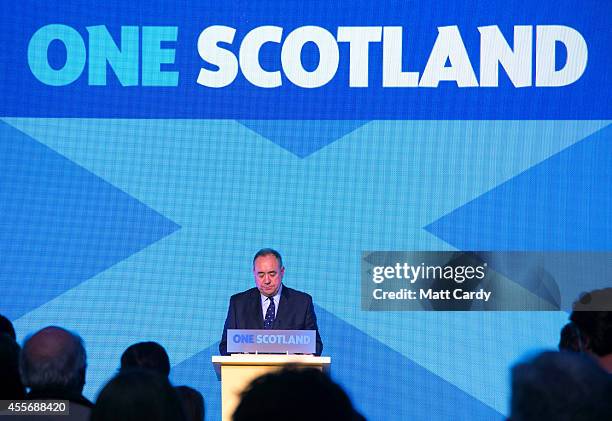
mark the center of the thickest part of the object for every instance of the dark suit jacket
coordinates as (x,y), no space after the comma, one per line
(295,311)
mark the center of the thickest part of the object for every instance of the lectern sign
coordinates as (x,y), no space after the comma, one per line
(271,341)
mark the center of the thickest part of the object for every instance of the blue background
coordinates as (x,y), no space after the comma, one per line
(130,214)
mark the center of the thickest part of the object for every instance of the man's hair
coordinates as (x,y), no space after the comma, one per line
(62,367)
(6,327)
(136,395)
(267,252)
(146,355)
(595,326)
(560,386)
(296,394)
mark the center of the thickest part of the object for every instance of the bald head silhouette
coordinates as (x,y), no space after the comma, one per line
(53,358)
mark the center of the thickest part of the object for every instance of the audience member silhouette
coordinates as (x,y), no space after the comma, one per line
(10,381)
(52,364)
(593,321)
(138,394)
(560,386)
(6,327)
(295,394)
(146,355)
(152,356)
(193,403)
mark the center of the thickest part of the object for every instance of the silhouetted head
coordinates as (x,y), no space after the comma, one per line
(146,355)
(570,339)
(53,358)
(593,322)
(560,386)
(7,328)
(295,394)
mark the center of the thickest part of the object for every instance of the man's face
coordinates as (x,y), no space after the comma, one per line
(268,274)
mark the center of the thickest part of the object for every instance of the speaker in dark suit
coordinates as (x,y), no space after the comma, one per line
(270,305)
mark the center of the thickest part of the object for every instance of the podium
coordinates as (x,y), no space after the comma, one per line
(238,370)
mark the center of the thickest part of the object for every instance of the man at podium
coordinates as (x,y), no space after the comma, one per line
(270,305)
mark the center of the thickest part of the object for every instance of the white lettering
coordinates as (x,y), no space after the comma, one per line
(359,39)
(577,55)
(448,59)
(393,76)
(448,46)
(495,50)
(249,56)
(210,52)
(329,57)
